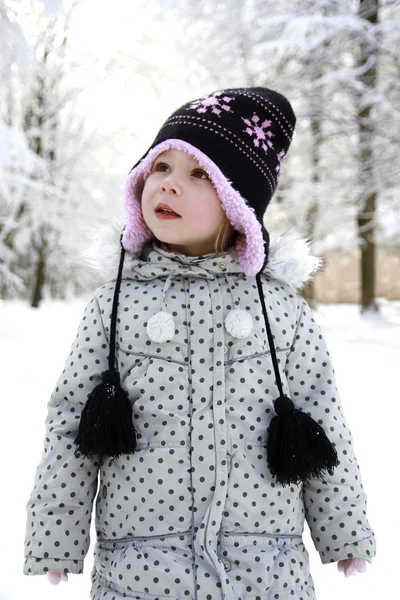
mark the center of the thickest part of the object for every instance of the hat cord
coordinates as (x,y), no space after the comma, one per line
(111,357)
(270,338)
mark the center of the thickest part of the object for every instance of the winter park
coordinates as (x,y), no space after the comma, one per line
(200,299)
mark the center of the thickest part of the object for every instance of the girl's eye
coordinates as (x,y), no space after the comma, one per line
(201,173)
(159,166)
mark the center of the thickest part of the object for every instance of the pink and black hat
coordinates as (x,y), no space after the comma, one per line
(240,137)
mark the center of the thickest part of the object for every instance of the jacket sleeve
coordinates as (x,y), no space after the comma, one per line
(335,506)
(60,506)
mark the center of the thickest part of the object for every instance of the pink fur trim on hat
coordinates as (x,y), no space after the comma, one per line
(250,244)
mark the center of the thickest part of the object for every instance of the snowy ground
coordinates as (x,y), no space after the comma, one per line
(366,352)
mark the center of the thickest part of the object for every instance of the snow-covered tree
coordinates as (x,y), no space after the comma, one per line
(166,52)
(33,208)
(52,105)
(321,55)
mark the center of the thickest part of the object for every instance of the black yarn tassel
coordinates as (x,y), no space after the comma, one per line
(106,425)
(298,448)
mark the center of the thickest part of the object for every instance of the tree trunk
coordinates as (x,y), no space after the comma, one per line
(309,292)
(366,227)
(45,151)
(368,10)
(39,275)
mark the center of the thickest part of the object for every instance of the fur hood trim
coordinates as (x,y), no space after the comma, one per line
(290,259)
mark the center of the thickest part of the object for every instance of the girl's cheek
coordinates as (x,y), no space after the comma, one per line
(150,182)
(145,190)
(144,199)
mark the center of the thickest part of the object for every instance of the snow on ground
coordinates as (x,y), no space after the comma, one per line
(34,345)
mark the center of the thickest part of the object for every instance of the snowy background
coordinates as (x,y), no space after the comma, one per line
(88,84)
(34,344)
(85,86)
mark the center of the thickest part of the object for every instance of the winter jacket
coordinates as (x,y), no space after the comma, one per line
(194,512)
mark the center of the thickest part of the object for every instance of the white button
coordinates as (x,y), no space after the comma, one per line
(225,349)
(222,266)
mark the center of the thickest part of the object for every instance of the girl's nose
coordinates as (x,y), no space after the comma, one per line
(170,185)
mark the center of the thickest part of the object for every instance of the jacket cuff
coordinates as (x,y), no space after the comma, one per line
(368,558)
(362,549)
(41,566)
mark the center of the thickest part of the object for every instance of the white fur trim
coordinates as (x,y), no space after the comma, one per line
(290,259)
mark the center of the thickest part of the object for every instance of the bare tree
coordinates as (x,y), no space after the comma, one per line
(366,220)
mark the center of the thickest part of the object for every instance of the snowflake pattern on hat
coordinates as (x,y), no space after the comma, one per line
(213,103)
(261,131)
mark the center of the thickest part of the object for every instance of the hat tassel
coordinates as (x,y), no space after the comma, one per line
(297,447)
(106,425)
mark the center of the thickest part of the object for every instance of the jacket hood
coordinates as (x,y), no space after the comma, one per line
(290,260)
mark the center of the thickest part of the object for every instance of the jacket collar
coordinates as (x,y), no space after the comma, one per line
(208,265)
(290,259)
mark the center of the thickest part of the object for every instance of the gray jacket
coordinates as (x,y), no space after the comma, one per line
(194,513)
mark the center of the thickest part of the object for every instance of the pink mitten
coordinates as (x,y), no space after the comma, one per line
(55,578)
(350,566)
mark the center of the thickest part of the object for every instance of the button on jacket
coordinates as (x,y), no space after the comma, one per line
(194,512)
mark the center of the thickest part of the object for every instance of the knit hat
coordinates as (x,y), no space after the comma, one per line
(240,137)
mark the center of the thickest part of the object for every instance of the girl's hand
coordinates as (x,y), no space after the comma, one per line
(55,578)
(350,566)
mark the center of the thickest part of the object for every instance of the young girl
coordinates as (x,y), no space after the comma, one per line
(198,403)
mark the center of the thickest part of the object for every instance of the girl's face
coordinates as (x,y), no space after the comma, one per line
(177,181)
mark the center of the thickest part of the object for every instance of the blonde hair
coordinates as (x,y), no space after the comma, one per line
(225,236)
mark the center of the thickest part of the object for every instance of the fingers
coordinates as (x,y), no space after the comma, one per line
(350,571)
(352,566)
(55,578)
(360,564)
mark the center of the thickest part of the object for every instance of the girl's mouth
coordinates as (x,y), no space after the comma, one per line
(163,213)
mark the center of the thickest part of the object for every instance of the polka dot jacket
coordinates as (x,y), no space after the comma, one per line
(194,513)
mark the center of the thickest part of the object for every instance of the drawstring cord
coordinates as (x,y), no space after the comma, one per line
(165,290)
(235,301)
(161,326)
(238,322)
